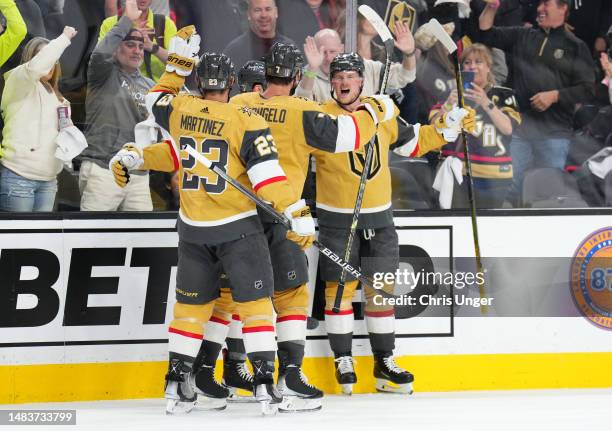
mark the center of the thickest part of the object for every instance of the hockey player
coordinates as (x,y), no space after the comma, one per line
(217,224)
(291,122)
(252,77)
(338,178)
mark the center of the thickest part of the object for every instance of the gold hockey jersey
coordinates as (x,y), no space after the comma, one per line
(235,139)
(338,175)
(300,126)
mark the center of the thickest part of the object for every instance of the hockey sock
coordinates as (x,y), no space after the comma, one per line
(258,330)
(340,325)
(186,329)
(234,341)
(292,308)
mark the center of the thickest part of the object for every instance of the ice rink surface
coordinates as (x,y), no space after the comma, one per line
(504,410)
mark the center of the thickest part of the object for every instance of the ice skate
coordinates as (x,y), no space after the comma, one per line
(345,373)
(211,394)
(265,390)
(298,394)
(238,379)
(179,394)
(390,377)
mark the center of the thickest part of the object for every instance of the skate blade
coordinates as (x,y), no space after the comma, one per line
(383,385)
(210,404)
(238,395)
(347,388)
(268,408)
(299,405)
(179,407)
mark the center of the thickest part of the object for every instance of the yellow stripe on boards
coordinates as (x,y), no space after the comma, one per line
(433,373)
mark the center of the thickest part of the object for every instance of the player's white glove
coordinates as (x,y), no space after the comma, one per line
(302,225)
(450,124)
(183,51)
(380,107)
(127,159)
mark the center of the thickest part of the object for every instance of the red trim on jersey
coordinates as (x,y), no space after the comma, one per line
(159,91)
(356,132)
(477,158)
(185,333)
(219,320)
(291,317)
(340,313)
(256,187)
(175,161)
(258,329)
(236,317)
(415,151)
(388,313)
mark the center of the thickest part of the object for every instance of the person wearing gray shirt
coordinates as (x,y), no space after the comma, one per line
(115,104)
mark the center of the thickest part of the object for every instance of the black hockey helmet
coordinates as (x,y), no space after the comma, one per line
(345,62)
(253,72)
(215,71)
(283,60)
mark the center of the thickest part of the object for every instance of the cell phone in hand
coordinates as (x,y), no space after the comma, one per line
(467,77)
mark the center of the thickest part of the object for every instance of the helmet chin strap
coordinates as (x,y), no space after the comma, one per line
(333,95)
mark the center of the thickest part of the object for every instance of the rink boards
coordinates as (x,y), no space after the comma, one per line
(86,301)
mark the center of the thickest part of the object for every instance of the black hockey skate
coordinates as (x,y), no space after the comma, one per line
(298,394)
(238,379)
(265,390)
(389,376)
(211,394)
(180,396)
(345,373)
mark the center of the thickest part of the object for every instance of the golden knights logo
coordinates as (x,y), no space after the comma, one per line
(398,10)
(357,162)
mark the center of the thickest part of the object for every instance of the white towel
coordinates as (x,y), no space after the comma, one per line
(451,168)
(145,132)
(600,163)
(70,143)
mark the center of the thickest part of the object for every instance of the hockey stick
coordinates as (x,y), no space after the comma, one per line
(387,38)
(272,212)
(438,31)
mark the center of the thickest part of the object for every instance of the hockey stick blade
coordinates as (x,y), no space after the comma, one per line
(376,21)
(434,28)
(280,217)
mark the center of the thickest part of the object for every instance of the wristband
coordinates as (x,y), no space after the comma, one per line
(410,54)
(491,106)
(155,48)
(310,74)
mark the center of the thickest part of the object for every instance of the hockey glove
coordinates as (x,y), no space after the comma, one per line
(183,51)
(302,225)
(451,123)
(128,158)
(380,107)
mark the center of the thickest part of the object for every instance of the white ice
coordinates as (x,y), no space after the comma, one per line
(557,410)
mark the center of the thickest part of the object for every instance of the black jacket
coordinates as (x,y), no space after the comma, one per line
(544,61)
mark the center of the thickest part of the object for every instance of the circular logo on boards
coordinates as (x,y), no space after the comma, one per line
(591,278)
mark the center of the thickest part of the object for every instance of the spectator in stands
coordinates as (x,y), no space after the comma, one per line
(158,30)
(606,65)
(489,144)
(262,33)
(31,105)
(553,71)
(589,21)
(111,7)
(115,104)
(12,31)
(204,14)
(298,19)
(326,44)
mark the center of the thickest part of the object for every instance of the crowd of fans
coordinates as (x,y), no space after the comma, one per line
(538,72)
